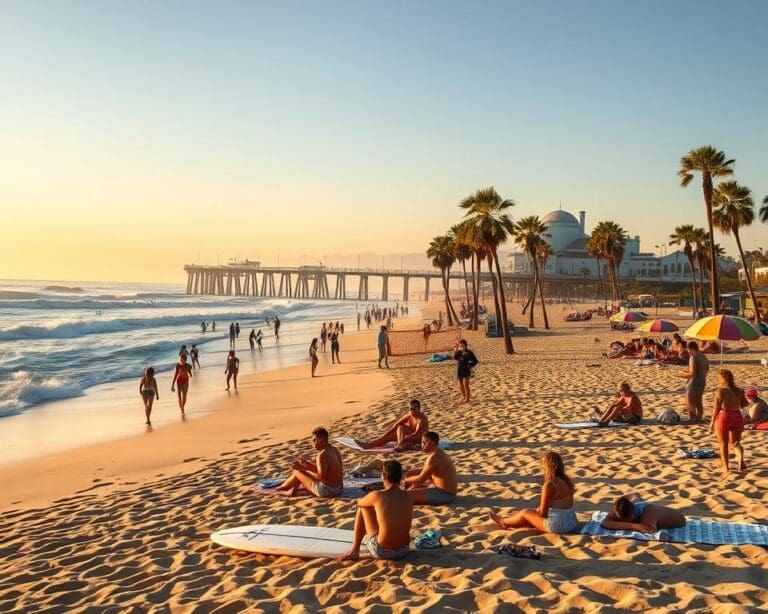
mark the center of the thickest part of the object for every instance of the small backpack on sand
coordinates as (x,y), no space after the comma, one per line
(669,416)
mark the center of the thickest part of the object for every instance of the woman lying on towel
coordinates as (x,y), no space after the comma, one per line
(555,512)
(629,513)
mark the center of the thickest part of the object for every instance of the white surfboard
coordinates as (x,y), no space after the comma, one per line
(349,442)
(289,540)
(589,425)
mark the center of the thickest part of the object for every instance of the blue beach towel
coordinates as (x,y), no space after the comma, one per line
(694,531)
(439,358)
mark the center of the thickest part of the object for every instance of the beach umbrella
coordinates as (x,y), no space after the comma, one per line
(722,328)
(657,326)
(628,316)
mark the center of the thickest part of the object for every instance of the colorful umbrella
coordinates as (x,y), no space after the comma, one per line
(722,328)
(657,326)
(628,316)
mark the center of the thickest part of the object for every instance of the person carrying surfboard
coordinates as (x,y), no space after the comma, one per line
(383,519)
(325,477)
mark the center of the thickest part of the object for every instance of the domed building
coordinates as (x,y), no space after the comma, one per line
(564,229)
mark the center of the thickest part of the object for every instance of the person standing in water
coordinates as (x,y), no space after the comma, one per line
(148,391)
(259,337)
(335,348)
(252,339)
(233,366)
(237,329)
(213,326)
(232,335)
(194,354)
(313,359)
(323,337)
(181,381)
(277,328)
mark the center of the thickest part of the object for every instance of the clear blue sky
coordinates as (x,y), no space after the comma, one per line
(380,116)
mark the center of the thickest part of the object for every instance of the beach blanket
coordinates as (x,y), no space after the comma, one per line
(440,357)
(757,426)
(353,487)
(591,425)
(349,442)
(694,531)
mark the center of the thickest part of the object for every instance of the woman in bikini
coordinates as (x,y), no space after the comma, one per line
(181,381)
(629,513)
(727,419)
(555,512)
(313,356)
(233,366)
(148,391)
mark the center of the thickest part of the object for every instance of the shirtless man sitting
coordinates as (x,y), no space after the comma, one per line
(625,408)
(383,518)
(406,432)
(438,470)
(324,477)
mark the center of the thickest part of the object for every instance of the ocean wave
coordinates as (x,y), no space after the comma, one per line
(64,289)
(23,390)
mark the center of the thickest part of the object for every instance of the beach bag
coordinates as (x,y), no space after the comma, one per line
(669,416)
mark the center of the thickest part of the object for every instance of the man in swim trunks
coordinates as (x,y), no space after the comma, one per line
(324,477)
(406,432)
(625,408)
(181,380)
(757,410)
(438,470)
(383,520)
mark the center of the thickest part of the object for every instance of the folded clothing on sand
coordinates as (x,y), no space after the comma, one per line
(697,453)
(439,357)
(694,531)
(354,488)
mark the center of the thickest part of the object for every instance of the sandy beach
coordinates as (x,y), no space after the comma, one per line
(125,525)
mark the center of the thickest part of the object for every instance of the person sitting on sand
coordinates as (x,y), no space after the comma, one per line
(438,471)
(324,477)
(710,347)
(406,432)
(626,407)
(629,513)
(555,512)
(384,518)
(757,410)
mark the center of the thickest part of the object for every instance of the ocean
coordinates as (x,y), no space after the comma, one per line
(57,339)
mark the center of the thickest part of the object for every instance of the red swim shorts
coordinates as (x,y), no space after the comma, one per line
(730,421)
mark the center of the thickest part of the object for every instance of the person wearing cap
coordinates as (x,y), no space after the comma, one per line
(757,410)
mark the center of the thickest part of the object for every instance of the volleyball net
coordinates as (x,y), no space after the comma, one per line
(405,342)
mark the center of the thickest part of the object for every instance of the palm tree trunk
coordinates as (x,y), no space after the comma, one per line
(508,347)
(540,284)
(447,300)
(609,270)
(702,302)
(533,292)
(747,276)
(466,283)
(693,281)
(477,290)
(496,304)
(707,186)
(450,302)
(617,279)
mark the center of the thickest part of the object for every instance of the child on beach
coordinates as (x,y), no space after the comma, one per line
(555,512)
(181,381)
(148,391)
(629,513)
(233,366)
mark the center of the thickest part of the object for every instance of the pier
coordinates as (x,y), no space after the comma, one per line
(315,282)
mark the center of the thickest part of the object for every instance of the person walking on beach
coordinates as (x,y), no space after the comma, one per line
(358,320)
(232,335)
(233,366)
(381,343)
(323,337)
(237,329)
(555,513)
(259,337)
(252,339)
(194,354)
(203,327)
(313,359)
(213,326)
(696,374)
(383,519)
(181,381)
(335,348)
(277,328)
(183,351)
(148,391)
(728,421)
(465,361)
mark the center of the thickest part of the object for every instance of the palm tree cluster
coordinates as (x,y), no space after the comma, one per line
(606,244)
(729,207)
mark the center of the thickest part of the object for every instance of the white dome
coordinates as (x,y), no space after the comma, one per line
(560,217)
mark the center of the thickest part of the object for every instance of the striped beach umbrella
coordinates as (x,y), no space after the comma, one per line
(722,328)
(628,316)
(657,326)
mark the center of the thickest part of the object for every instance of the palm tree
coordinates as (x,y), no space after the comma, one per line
(764,210)
(700,256)
(734,209)
(529,233)
(610,241)
(441,252)
(492,226)
(593,249)
(685,235)
(544,251)
(710,162)
(463,250)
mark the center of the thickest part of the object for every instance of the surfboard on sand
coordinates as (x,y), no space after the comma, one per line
(349,442)
(589,425)
(288,540)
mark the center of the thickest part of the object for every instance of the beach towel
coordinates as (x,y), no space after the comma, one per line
(349,442)
(439,358)
(757,426)
(353,488)
(645,362)
(591,425)
(694,531)
(697,453)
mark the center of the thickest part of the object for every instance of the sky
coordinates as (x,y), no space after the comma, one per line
(138,136)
